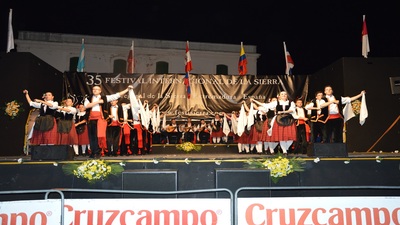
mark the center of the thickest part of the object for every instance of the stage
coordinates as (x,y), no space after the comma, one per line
(217,151)
(214,166)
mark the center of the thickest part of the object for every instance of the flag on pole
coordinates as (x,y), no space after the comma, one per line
(130,63)
(365,41)
(289,61)
(10,41)
(188,68)
(81,61)
(242,61)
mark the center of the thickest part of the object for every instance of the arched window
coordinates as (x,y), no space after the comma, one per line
(161,67)
(119,66)
(73,64)
(222,69)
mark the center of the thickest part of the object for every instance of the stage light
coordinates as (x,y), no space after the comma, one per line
(347,161)
(378,159)
(316,160)
(155,161)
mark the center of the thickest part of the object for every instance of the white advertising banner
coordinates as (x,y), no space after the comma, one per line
(319,211)
(118,212)
(251,211)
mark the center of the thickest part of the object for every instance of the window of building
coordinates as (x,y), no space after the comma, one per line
(119,66)
(222,69)
(73,63)
(162,67)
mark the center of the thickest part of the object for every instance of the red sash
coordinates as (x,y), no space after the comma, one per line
(101,128)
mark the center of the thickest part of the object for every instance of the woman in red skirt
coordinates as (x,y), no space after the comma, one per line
(66,125)
(81,119)
(45,127)
(285,134)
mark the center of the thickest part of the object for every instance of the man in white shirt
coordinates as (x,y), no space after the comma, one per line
(334,124)
(97,106)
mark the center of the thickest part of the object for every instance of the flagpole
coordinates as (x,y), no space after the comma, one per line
(188,68)
(133,56)
(286,60)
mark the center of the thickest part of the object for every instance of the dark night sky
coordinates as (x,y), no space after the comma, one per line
(316,33)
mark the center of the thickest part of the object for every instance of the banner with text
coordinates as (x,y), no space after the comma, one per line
(210,94)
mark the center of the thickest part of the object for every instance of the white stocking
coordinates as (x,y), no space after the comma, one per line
(84,149)
(285,145)
(76,149)
(272,146)
(246,147)
(240,147)
(259,147)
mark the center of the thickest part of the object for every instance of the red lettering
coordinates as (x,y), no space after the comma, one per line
(314,216)
(166,214)
(339,217)
(304,215)
(122,218)
(269,214)
(358,216)
(22,217)
(42,217)
(114,214)
(203,217)
(282,217)
(377,218)
(395,216)
(90,217)
(146,218)
(193,215)
(249,213)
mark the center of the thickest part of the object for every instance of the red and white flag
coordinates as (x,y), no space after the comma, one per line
(188,68)
(289,61)
(365,41)
(130,67)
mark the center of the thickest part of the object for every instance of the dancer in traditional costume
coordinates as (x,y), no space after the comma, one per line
(45,127)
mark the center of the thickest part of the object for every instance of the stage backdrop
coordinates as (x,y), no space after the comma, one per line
(210,94)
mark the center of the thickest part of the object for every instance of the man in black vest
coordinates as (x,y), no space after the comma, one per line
(318,117)
(97,106)
(300,146)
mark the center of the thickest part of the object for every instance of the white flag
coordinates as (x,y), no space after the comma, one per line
(363,110)
(242,121)
(348,112)
(10,41)
(225,127)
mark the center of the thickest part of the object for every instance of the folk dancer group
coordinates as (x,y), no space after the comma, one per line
(100,125)
(288,123)
(97,127)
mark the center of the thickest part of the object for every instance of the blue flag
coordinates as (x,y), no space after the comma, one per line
(81,61)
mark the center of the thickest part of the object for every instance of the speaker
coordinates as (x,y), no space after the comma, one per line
(150,180)
(233,179)
(328,150)
(52,152)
